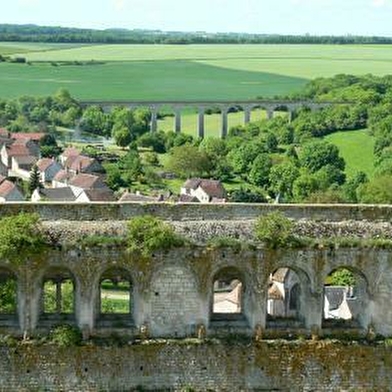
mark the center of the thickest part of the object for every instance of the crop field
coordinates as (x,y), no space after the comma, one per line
(181,72)
(356,147)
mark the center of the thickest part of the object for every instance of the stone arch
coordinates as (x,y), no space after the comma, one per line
(175,303)
(58,286)
(287,296)
(229,299)
(346,298)
(8,298)
(115,298)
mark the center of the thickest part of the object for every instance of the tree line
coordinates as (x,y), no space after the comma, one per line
(56,34)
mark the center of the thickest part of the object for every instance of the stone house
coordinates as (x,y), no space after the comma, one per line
(48,168)
(340,303)
(283,293)
(21,166)
(53,194)
(83,164)
(10,192)
(92,195)
(67,153)
(84,181)
(61,178)
(205,191)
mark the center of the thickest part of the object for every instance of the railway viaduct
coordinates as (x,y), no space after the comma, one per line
(177,106)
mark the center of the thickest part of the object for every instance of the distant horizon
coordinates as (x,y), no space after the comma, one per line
(192,31)
(278,17)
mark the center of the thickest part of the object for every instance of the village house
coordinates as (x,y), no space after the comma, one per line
(84,181)
(53,194)
(21,166)
(48,168)
(61,178)
(83,164)
(205,191)
(92,195)
(67,153)
(10,192)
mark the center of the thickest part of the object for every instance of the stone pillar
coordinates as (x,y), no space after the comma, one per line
(224,123)
(247,114)
(177,120)
(154,119)
(200,123)
(270,113)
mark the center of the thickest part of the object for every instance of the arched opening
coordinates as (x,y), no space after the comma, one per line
(115,299)
(284,300)
(58,297)
(8,299)
(345,299)
(228,296)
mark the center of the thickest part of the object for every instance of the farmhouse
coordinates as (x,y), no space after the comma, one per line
(10,192)
(205,191)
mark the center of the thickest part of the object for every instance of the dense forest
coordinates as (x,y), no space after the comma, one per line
(273,159)
(55,34)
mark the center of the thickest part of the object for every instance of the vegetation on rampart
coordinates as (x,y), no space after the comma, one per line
(147,234)
(20,235)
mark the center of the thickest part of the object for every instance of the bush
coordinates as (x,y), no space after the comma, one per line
(20,234)
(275,230)
(66,335)
(147,234)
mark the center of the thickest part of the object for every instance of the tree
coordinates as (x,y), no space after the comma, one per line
(121,135)
(188,161)
(317,154)
(35,180)
(376,191)
(260,170)
(282,178)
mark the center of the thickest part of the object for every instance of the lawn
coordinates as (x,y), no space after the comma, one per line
(183,72)
(356,147)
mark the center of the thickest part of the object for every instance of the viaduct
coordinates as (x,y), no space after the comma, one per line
(177,106)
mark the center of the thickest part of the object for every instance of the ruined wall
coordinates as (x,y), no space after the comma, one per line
(213,366)
(173,291)
(194,211)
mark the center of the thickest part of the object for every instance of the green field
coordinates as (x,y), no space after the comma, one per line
(356,147)
(182,72)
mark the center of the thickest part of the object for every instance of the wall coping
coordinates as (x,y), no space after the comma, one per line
(102,211)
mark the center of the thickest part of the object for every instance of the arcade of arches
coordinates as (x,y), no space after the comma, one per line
(174,294)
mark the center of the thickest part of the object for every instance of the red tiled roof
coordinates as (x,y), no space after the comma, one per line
(17,150)
(70,152)
(44,163)
(63,175)
(80,162)
(6,187)
(87,181)
(37,136)
(213,188)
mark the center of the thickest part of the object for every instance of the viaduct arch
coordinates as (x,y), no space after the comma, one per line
(154,106)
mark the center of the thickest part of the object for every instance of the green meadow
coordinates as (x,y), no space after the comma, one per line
(182,72)
(356,147)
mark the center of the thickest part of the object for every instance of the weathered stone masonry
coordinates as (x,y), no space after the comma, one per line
(172,297)
(172,291)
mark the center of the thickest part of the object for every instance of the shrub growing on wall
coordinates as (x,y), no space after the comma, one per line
(20,234)
(275,230)
(147,234)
